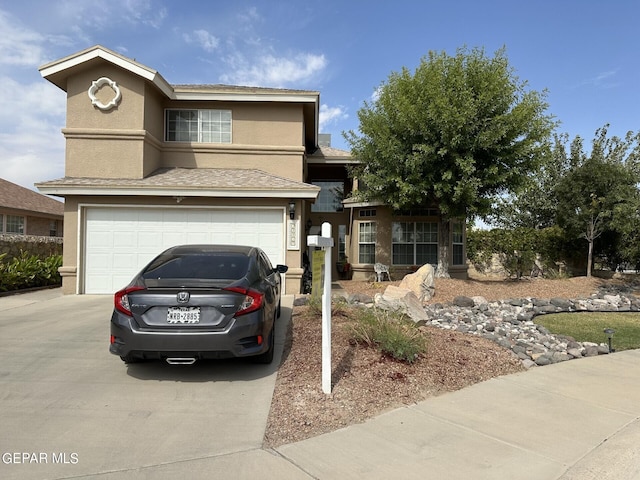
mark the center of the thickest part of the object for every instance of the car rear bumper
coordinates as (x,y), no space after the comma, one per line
(239,339)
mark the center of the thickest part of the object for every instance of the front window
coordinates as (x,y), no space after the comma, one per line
(342,242)
(414,243)
(200,126)
(15,224)
(53,228)
(330,197)
(367,242)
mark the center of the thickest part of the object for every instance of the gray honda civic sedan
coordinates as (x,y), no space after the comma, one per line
(199,301)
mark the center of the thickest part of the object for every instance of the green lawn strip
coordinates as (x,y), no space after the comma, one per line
(589,327)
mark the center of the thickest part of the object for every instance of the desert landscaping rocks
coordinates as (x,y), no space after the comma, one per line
(510,323)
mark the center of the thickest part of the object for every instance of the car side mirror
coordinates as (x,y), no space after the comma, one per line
(281,268)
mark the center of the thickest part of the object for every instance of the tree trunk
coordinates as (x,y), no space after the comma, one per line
(590,259)
(443,248)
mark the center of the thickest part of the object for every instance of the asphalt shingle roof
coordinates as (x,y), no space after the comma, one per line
(20,198)
(193,179)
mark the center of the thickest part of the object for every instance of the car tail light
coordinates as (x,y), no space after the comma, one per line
(252,301)
(121,299)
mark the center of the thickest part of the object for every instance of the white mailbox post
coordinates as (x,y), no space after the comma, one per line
(325,240)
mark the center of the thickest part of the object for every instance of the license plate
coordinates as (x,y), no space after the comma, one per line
(183,315)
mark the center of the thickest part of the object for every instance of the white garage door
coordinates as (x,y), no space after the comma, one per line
(119,241)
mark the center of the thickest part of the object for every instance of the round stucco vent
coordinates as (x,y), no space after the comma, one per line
(97,85)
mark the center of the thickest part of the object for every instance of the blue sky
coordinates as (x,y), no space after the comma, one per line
(584,52)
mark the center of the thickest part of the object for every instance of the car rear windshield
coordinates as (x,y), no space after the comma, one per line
(198,267)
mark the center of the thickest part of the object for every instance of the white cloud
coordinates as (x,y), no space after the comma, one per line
(203,39)
(31,144)
(331,115)
(602,80)
(249,16)
(144,12)
(272,71)
(376,94)
(19,46)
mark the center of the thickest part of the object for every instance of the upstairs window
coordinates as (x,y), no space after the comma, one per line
(199,126)
(330,197)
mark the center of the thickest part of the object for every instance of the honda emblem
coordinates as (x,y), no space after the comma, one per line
(183,297)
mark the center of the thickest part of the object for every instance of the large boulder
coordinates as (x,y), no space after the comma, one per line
(422,283)
(402,300)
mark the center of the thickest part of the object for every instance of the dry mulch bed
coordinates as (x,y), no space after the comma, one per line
(365,382)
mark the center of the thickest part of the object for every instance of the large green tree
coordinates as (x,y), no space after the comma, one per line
(532,205)
(456,133)
(598,197)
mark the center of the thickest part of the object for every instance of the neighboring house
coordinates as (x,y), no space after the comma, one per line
(150,165)
(25,212)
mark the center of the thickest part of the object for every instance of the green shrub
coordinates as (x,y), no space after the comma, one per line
(28,271)
(520,251)
(391,333)
(339,305)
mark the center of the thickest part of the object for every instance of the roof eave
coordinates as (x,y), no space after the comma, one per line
(85,190)
(55,71)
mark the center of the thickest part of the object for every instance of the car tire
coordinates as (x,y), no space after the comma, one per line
(130,359)
(267,357)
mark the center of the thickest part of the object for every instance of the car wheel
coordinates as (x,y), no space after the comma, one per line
(267,357)
(131,359)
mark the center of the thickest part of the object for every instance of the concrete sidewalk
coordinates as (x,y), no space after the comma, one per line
(574,420)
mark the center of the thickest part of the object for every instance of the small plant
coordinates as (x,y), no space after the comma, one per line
(389,332)
(339,305)
(343,265)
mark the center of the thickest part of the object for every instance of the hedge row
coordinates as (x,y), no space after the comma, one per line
(29,271)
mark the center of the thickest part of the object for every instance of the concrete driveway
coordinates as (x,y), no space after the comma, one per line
(68,408)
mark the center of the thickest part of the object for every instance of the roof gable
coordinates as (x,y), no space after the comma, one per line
(58,72)
(19,198)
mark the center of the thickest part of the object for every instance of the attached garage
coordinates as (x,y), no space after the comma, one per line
(119,241)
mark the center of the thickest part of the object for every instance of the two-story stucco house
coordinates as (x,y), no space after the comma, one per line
(150,165)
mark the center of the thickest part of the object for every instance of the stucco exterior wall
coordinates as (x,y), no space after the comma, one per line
(128,115)
(128,140)
(105,143)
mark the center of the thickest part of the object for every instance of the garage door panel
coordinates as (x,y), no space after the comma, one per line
(149,239)
(124,239)
(124,260)
(198,237)
(121,241)
(169,239)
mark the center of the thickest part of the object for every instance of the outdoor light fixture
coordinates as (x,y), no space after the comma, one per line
(609,332)
(292,209)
